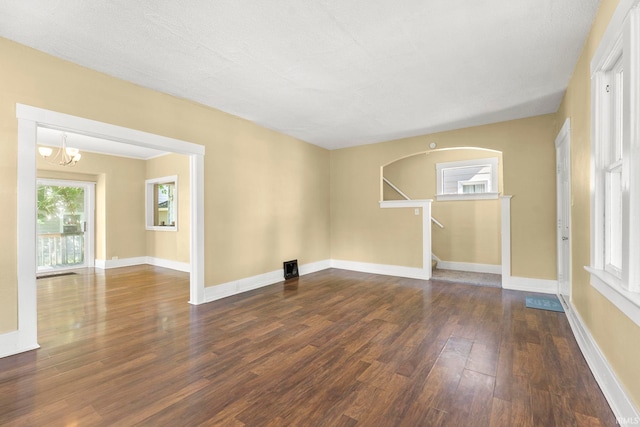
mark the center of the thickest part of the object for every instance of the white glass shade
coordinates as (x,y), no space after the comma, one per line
(45,151)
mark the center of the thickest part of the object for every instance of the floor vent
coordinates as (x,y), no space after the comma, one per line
(290,269)
(47,276)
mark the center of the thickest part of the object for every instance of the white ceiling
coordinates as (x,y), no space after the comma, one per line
(335,73)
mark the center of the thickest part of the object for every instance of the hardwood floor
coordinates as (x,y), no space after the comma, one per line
(334,348)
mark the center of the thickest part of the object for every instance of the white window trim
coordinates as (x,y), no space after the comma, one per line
(493,187)
(622,36)
(149,203)
(468,196)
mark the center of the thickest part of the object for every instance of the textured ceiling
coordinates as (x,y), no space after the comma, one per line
(335,73)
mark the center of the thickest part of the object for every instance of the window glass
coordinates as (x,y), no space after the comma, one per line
(613,222)
(162,203)
(164,214)
(467,178)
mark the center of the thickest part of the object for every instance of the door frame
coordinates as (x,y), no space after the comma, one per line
(90,211)
(29,119)
(563,201)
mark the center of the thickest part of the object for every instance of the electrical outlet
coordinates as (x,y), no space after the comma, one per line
(113,258)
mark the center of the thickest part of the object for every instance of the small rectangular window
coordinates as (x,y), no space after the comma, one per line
(162,203)
(469,179)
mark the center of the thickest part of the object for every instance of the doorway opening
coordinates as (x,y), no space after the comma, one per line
(64,225)
(29,120)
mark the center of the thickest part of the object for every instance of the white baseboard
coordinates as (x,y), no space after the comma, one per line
(527,284)
(313,267)
(619,401)
(120,262)
(128,262)
(386,270)
(469,266)
(234,287)
(12,343)
(167,263)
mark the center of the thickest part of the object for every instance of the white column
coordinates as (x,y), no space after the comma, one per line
(27,290)
(426,238)
(196,181)
(506,239)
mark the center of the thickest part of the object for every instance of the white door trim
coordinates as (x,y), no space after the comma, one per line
(563,148)
(29,119)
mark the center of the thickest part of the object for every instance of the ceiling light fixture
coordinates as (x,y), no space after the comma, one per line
(65,156)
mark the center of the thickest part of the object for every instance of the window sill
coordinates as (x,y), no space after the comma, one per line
(418,203)
(611,288)
(473,196)
(162,228)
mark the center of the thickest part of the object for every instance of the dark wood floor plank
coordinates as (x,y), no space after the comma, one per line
(123,347)
(500,413)
(483,358)
(473,399)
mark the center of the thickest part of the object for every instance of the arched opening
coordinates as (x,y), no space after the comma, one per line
(464,184)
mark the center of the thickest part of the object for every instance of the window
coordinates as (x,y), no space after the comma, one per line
(162,203)
(469,179)
(615,201)
(612,122)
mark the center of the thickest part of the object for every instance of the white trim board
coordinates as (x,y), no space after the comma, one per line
(383,269)
(128,262)
(223,290)
(13,343)
(614,392)
(527,284)
(469,266)
(106,264)
(168,263)
(515,283)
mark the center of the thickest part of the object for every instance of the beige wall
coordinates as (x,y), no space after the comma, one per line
(471,232)
(361,231)
(172,245)
(119,202)
(616,335)
(266,194)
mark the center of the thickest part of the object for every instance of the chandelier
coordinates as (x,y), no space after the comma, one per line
(65,156)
